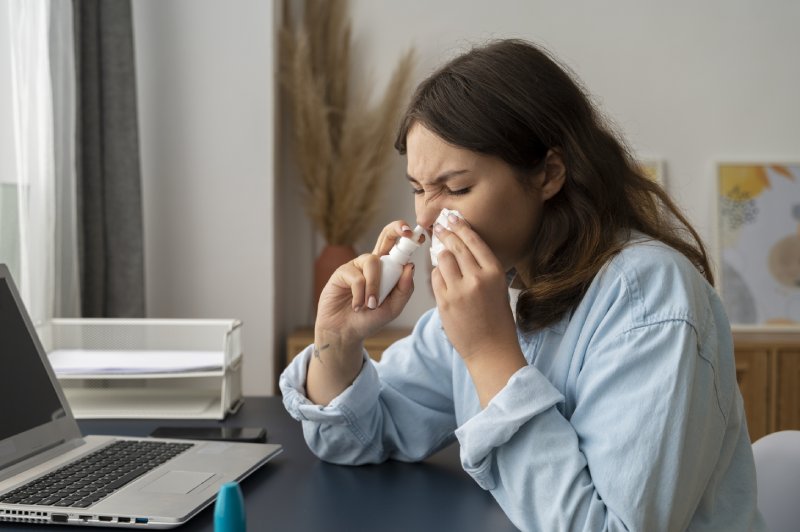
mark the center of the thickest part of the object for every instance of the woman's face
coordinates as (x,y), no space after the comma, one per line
(483,188)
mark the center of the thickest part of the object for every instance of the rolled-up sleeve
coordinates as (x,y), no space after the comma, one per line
(363,391)
(527,394)
(399,408)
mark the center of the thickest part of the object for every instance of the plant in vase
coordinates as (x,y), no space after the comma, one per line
(341,146)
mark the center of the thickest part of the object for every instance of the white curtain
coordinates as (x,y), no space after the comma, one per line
(62,68)
(35,120)
(9,226)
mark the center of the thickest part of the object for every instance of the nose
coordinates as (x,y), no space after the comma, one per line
(427,212)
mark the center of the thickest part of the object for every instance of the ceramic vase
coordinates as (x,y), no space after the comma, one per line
(331,257)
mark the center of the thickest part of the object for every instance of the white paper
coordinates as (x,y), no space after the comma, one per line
(124,362)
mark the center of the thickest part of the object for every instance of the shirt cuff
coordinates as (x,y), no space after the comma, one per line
(526,394)
(354,400)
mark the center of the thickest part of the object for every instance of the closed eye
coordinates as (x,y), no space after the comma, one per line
(459,192)
(439,184)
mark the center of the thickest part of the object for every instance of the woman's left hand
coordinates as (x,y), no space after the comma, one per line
(470,288)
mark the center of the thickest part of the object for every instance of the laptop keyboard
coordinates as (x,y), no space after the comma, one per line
(95,476)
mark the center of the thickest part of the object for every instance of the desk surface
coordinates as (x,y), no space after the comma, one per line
(297,492)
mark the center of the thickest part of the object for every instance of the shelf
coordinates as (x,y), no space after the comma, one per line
(207,393)
(131,403)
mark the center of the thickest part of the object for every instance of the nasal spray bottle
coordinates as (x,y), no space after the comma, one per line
(229,515)
(392,264)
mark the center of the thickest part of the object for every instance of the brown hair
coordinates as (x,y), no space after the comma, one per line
(511,100)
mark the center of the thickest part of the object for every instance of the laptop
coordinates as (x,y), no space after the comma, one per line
(50,473)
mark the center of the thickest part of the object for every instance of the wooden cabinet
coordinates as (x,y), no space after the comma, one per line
(768,372)
(375,345)
(787,398)
(752,370)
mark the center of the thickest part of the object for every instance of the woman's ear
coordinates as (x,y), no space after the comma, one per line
(554,173)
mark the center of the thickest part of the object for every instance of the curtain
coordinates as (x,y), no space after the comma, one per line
(62,72)
(9,201)
(33,142)
(109,184)
(43,109)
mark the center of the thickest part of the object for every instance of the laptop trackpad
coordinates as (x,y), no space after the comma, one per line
(177,482)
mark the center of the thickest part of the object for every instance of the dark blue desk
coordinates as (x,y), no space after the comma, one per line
(296,492)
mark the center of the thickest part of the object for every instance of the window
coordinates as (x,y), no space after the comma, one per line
(9,204)
(9,228)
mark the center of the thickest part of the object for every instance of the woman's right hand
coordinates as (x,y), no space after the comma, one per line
(347,313)
(348,303)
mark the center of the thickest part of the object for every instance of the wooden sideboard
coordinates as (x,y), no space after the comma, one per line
(767,370)
(375,345)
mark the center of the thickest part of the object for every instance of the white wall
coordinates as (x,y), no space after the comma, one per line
(206,108)
(689,82)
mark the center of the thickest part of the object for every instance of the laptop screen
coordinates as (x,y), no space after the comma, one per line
(27,394)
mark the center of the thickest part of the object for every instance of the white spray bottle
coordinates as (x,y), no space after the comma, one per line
(392,264)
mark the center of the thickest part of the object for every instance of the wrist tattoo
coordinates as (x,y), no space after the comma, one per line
(319,349)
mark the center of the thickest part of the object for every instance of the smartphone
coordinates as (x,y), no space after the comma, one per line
(240,434)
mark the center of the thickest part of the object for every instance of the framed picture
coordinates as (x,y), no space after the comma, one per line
(758,229)
(654,169)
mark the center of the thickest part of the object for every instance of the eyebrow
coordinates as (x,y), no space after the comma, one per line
(441,178)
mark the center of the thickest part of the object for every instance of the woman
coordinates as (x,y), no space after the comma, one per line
(604,396)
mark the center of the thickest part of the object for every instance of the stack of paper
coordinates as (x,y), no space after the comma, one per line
(133,362)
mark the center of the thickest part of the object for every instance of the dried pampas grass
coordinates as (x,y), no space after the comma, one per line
(340,145)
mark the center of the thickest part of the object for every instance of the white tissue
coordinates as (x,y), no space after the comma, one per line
(436,244)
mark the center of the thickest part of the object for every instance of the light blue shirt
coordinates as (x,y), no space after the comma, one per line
(627,417)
